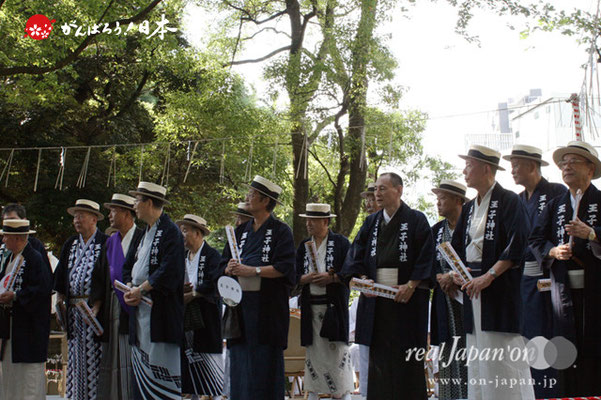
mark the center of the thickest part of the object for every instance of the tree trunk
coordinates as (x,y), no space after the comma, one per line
(301,187)
(357,103)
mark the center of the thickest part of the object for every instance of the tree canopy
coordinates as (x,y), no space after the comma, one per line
(116,94)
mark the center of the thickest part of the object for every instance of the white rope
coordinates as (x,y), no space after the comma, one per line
(275,157)
(248,172)
(81,181)
(191,158)
(141,163)
(112,169)
(61,170)
(9,163)
(37,171)
(165,174)
(302,154)
(222,164)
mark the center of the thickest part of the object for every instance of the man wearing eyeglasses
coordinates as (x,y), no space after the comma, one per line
(567,243)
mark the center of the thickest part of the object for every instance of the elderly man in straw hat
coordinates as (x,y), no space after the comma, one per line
(447,312)
(26,287)
(566,241)
(394,247)
(17,211)
(266,275)
(242,215)
(202,359)
(490,238)
(73,282)
(371,206)
(115,381)
(156,270)
(526,162)
(324,306)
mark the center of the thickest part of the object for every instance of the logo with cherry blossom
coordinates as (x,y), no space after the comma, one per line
(38,27)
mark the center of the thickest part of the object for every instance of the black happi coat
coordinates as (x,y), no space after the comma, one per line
(61,273)
(40,248)
(544,192)
(335,321)
(361,260)
(274,313)
(166,276)
(439,314)
(208,339)
(505,238)
(102,288)
(30,329)
(550,232)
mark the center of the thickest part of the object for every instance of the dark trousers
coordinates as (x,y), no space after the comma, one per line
(583,378)
(391,376)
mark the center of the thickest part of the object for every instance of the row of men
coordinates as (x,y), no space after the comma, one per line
(395,246)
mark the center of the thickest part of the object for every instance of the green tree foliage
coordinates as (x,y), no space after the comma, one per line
(108,89)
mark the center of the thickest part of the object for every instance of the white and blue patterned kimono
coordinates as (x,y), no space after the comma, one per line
(73,279)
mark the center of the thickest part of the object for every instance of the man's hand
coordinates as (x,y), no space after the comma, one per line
(477,285)
(134,297)
(242,270)
(578,229)
(323,279)
(364,277)
(447,283)
(307,278)
(188,287)
(95,310)
(561,252)
(404,294)
(7,297)
(230,265)
(189,296)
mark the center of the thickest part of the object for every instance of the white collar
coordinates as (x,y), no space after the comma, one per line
(387,218)
(126,240)
(197,254)
(487,196)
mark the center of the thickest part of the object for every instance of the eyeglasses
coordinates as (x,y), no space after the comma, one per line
(571,163)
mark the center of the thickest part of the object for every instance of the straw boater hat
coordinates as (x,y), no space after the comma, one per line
(266,187)
(195,221)
(317,210)
(484,154)
(241,210)
(121,200)
(452,187)
(16,227)
(150,189)
(582,149)
(371,189)
(527,152)
(88,206)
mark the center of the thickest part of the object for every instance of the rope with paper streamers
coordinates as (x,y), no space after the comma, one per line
(61,170)
(192,148)
(81,181)
(7,167)
(112,169)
